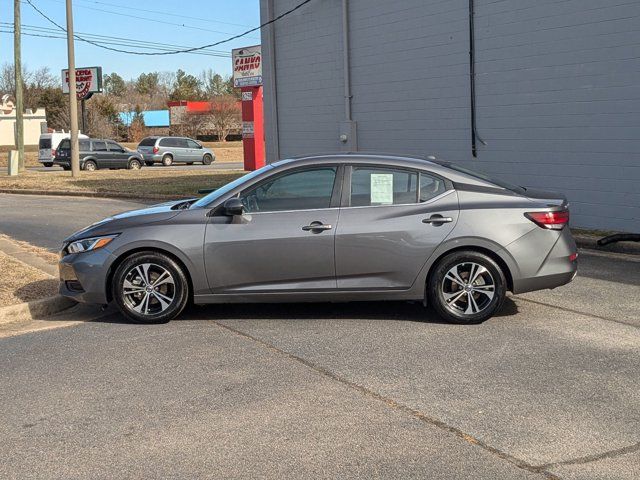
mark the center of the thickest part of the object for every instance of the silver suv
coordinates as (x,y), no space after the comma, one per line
(170,150)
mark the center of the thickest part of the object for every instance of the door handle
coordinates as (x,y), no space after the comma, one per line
(434,219)
(316,226)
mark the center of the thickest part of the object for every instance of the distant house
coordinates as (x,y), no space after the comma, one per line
(155,121)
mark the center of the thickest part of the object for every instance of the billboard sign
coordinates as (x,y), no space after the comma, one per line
(88,81)
(247,66)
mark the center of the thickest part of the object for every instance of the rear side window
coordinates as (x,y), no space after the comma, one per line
(84,146)
(430,187)
(147,142)
(383,186)
(166,142)
(99,146)
(44,143)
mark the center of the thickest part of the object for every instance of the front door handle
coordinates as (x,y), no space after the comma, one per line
(437,219)
(316,227)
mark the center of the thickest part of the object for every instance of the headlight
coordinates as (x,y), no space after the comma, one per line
(89,244)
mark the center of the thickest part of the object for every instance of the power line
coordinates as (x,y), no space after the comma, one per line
(107,39)
(147,19)
(175,52)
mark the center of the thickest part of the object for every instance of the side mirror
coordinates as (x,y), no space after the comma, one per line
(233,207)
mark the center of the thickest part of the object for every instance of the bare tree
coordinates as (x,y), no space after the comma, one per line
(196,123)
(226,113)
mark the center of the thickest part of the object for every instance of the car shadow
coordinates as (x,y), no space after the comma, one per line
(395,311)
(37,290)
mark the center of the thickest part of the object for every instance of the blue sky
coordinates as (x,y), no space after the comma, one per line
(184,22)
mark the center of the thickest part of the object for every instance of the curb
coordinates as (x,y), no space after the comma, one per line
(71,193)
(35,309)
(591,243)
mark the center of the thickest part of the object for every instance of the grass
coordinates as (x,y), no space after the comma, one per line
(149,182)
(224,151)
(25,283)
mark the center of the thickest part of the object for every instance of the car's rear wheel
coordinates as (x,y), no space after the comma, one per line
(148,164)
(150,287)
(64,167)
(167,160)
(466,287)
(134,164)
(48,164)
(90,166)
(207,159)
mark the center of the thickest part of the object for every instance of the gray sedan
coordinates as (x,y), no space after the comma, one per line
(342,227)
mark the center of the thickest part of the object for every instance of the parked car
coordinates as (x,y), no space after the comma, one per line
(98,153)
(341,227)
(48,144)
(170,150)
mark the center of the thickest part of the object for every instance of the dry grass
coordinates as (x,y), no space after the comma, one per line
(135,183)
(24,284)
(48,256)
(224,151)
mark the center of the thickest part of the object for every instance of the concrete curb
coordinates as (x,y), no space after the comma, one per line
(71,193)
(35,309)
(591,243)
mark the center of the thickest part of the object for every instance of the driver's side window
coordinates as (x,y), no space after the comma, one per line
(300,190)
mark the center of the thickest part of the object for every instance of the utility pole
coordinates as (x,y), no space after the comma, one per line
(17,61)
(73,99)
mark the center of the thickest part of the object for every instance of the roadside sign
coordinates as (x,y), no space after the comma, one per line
(88,81)
(247,66)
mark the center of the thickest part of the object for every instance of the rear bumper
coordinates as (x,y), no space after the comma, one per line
(151,157)
(547,259)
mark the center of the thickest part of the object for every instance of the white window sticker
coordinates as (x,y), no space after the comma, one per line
(382,188)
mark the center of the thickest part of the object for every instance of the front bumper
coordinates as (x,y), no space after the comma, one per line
(83,276)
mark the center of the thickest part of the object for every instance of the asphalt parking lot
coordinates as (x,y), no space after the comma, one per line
(547,389)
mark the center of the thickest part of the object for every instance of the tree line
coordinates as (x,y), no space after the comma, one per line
(148,91)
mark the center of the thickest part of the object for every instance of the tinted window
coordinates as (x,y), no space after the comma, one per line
(99,146)
(84,145)
(114,147)
(383,186)
(65,144)
(167,142)
(302,190)
(430,187)
(181,142)
(192,144)
(44,143)
(147,142)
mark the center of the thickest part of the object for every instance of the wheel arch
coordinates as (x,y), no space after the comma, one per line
(122,256)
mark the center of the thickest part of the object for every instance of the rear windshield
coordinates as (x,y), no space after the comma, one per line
(484,177)
(65,144)
(147,142)
(44,143)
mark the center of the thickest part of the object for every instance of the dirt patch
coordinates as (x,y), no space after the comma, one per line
(24,284)
(136,183)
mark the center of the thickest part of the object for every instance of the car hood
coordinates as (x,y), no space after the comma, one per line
(116,223)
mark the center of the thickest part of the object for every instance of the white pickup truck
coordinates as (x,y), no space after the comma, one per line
(48,144)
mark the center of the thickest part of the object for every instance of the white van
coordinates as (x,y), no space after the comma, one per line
(48,144)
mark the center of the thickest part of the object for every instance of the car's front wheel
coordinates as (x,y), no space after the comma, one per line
(466,287)
(207,159)
(150,287)
(134,164)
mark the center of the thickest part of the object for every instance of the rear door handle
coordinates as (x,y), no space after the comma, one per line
(316,226)
(437,219)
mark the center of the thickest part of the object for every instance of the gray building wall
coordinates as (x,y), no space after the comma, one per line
(557,90)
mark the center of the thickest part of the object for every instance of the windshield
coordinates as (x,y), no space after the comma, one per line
(482,176)
(213,196)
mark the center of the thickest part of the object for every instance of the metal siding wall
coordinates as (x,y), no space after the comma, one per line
(557,91)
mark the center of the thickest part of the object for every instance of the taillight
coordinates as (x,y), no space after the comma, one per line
(550,220)
(156,149)
(53,152)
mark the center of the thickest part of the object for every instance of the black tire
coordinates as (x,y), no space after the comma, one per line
(128,271)
(167,160)
(48,164)
(207,159)
(90,166)
(134,164)
(149,164)
(464,302)
(189,163)
(66,168)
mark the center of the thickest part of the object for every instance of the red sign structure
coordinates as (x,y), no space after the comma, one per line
(247,75)
(88,81)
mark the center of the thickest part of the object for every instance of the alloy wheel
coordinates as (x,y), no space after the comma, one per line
(468,288)
(148,289)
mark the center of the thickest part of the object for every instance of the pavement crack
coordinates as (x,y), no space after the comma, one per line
(594,458)
(577,312)
(390,402)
